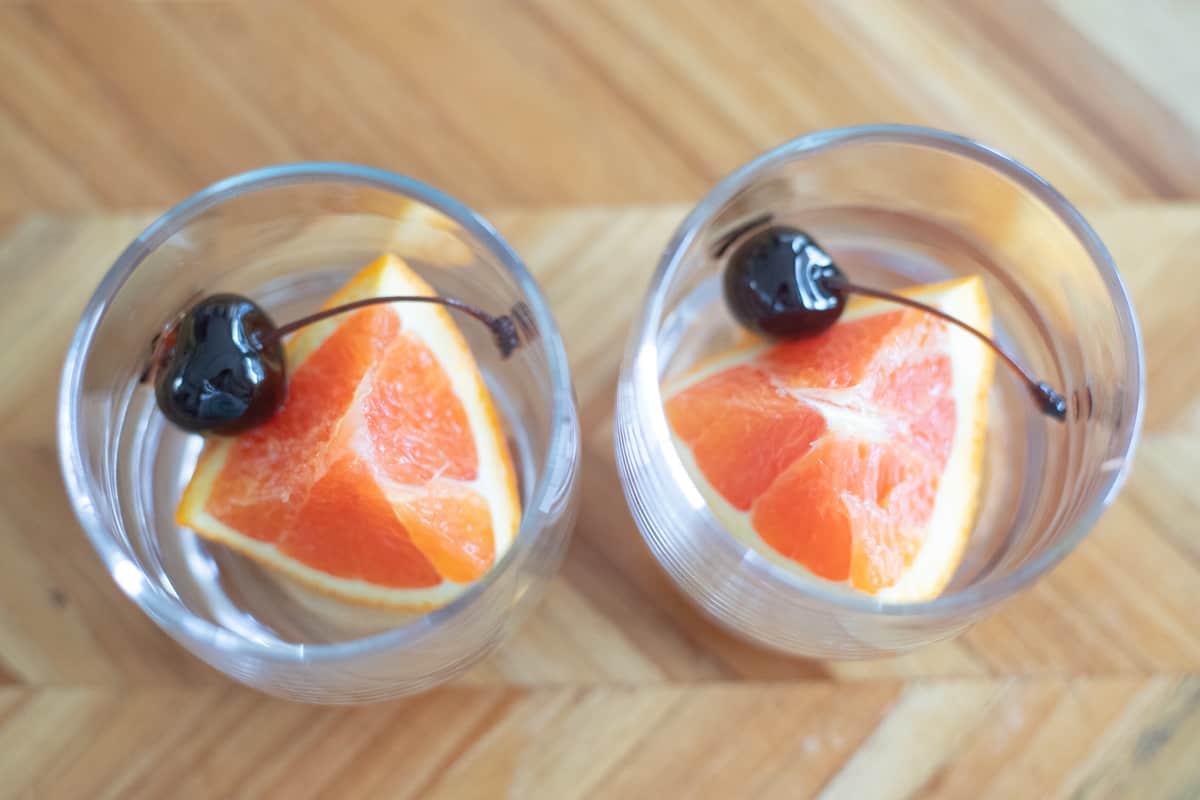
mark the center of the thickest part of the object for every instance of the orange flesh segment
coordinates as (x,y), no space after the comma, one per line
(417,425)
(348,528)
(743,431)
(299,481)
(271,469)
(451,525)
(836,359)
(849,508)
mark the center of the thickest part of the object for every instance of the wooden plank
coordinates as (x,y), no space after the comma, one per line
(129,104)
(610,116)
(615,686)
(1045,737)
(1118,607)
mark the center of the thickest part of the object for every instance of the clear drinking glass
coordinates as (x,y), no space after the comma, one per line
(288,236)
(899,205)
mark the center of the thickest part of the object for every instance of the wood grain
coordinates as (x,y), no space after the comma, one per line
(609,116)
(1088,683)
(541,102)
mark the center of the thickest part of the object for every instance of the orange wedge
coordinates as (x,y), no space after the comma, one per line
(854,456)
(384,479)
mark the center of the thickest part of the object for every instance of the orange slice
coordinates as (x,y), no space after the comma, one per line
(384,479)
(854,456)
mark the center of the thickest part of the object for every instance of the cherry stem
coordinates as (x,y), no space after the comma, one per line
(1048,401)
(503,328)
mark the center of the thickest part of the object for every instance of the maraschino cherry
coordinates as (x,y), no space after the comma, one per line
(220,367)
(779,282)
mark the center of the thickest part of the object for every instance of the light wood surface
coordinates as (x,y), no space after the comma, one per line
(609,117)
(616,687)
(551,102)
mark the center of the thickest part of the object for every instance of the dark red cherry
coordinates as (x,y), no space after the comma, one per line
(778,281)
(220,368)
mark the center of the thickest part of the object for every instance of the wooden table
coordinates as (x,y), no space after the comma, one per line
(608,118)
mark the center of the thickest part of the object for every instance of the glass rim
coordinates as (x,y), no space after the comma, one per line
(86,495)
(645,379)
